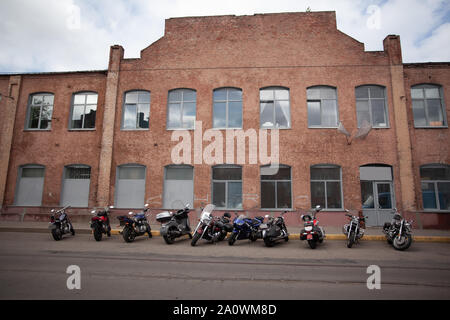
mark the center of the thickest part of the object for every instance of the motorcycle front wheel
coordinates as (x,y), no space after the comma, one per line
(195,238)
(350,239)
(168,238)
(403,243)
(268,242)
(57,235)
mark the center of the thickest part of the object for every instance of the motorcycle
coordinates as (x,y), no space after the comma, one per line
(100,223)
(275,230)
(174,224)
(312,232)
(135,224)
(398,232)
(60,223)
(353,230)
(245,228)
(211,228)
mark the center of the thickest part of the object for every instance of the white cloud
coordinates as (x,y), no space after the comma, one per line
(43,35)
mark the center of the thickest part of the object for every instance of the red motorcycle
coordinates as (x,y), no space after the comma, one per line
(312,232)
(100,223)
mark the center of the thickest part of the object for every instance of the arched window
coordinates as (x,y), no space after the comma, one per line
(435,180)
(136,110)
(83,111)
(274,108)
(276,184)
(30,185)
(181,109)
(227,186)
(322,107)
(326,186)
(130,186)
(75,187)
(40,110)
(227,111)
(428,106)
(371,106)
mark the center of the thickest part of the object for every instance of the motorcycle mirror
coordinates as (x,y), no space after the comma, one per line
(111,207)
(130,213)
(317,207)
(93,211)
(266,216)
(146,205)
(53,210)
(187,205)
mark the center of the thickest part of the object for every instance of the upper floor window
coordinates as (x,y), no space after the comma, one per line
(371,106)
(428,106)
(322,107)
(227,108)
(84,109)
(40,109)
(136,110)
(435,180)
(274,108)
(181,111)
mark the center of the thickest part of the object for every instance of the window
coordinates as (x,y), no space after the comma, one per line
(76,183)
(130,187)
(428,106)
(136,110)
(322,107)
(178,186)
(326,188)
(371,106)
(227,187)
(84,108)
(181,110)
(227,108)
(435,180)
(276,187)
(40,111)
(274,108)
(30,185)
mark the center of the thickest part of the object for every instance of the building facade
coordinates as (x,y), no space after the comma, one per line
(116,136)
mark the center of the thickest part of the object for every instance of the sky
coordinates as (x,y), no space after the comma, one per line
(75,35)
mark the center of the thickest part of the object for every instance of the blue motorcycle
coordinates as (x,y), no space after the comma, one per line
(136,224)
(245,228)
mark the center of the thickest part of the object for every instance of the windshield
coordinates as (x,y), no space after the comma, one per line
(208,209)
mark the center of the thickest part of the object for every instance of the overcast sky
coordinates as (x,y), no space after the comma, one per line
(75,35)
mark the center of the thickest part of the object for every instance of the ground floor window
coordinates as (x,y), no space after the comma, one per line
(227,187)
(130,186)
(30,185)
(435,183)
(276,187)
(178,187)
(326,186)
(75,188)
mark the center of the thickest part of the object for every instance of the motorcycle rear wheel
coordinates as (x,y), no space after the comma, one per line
(168,238)
(128,235)
(195,238)
(232,239)
(97,234)
(268,242)
(312,244)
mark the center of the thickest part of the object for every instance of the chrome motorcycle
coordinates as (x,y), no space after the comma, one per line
(353,230)
(398,231)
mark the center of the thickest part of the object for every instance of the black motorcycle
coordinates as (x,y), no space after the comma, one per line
(135,224)
(353,230)
(275,230)
(211,228)
(60,223)
(398,232)
(174,224)
(100,223)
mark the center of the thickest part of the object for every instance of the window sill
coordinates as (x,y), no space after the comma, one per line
(322,127)
(274,128)
(180,129)
(435,211)
(432,127)
(93,129)
(37,130)
(137,129)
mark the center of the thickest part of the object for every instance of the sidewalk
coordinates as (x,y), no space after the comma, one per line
(332,233)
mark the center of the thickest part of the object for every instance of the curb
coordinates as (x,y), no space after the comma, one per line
(292,236)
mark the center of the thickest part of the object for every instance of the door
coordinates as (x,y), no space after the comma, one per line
(377,202)
(377,194)
(178,187)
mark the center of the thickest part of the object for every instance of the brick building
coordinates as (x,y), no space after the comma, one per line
(93,138)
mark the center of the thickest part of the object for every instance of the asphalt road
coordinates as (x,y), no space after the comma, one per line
(33,266)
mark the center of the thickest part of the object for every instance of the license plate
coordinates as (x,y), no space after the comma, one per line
(309,236)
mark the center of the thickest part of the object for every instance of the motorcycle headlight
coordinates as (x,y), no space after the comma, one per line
(240,222)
